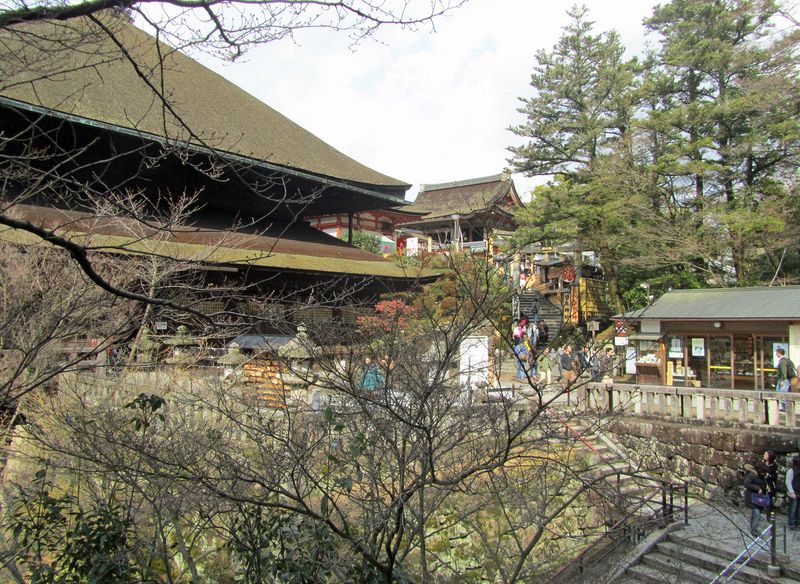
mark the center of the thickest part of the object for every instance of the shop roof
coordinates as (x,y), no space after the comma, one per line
(75,70)
(757,303)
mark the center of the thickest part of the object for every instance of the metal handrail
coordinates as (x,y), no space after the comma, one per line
(667,510)
(730,571)
(620,525)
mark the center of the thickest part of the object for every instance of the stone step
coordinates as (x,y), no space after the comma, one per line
(712,562)
(650,575)
(759,562)
(677,571)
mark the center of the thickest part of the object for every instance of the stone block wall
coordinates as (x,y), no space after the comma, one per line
(711,458)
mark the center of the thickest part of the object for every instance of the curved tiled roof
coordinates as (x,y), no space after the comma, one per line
(462,197)
(76,69)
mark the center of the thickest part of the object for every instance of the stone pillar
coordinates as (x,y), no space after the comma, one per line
(701,407)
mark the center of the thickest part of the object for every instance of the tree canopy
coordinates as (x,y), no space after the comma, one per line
(678,167)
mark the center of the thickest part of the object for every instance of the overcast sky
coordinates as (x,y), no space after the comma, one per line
(423,106)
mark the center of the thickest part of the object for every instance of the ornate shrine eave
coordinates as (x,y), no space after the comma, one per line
(367,196)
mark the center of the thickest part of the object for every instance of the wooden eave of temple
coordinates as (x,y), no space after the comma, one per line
(255,173)
(489,200)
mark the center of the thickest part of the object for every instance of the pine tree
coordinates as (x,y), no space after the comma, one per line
(725,93)
(581,113)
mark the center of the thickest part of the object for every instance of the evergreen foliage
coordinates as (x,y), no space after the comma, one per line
(368,241)
(678,169)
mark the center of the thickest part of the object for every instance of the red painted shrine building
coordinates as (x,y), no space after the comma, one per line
(462,214)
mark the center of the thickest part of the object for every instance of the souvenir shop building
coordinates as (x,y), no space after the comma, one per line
(723,338)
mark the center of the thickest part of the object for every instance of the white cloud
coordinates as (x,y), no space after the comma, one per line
(424,107)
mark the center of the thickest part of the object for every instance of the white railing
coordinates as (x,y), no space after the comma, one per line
(473,246)
(760,408)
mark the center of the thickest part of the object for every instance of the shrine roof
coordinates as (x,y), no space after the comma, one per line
(285,247)
(464,198)
(75,70)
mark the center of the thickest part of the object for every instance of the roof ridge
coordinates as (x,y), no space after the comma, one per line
(463,183)
(736,288)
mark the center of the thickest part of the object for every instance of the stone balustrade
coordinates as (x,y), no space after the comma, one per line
(742,406)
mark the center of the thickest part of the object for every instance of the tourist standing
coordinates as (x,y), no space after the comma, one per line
(531,357)
(792,492)
(518,333)
(371,378)
(569,366)
(786,371)
(607,363)
(533,334)
(552,365)
(521,352)
(544,333)
(544,366)
(755,484)
(594,363)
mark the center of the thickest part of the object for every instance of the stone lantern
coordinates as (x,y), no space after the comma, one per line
(298,355)
(146,348)
(184,347)
(232,361)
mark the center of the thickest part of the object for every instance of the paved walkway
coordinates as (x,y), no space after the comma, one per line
(728,526)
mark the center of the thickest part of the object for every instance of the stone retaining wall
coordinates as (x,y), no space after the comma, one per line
(710,457)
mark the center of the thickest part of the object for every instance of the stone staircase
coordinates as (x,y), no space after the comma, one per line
(675,553)
(533,303)
(625,485)
(629,502)
(681,557)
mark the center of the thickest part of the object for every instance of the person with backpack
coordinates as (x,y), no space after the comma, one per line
(521,352)
(792,492)
(786,371)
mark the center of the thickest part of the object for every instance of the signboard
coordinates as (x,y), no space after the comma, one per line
(571,310)
(676,348)
(621,341)
(698,347)
(473,364)
(593,326)
(161,325)
(593,297)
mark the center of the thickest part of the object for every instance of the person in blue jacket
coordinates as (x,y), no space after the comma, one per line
(372,377)
(521,352)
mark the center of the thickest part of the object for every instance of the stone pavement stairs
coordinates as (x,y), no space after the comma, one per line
(631,487)
(694,553)
(533,303)
(682,557)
